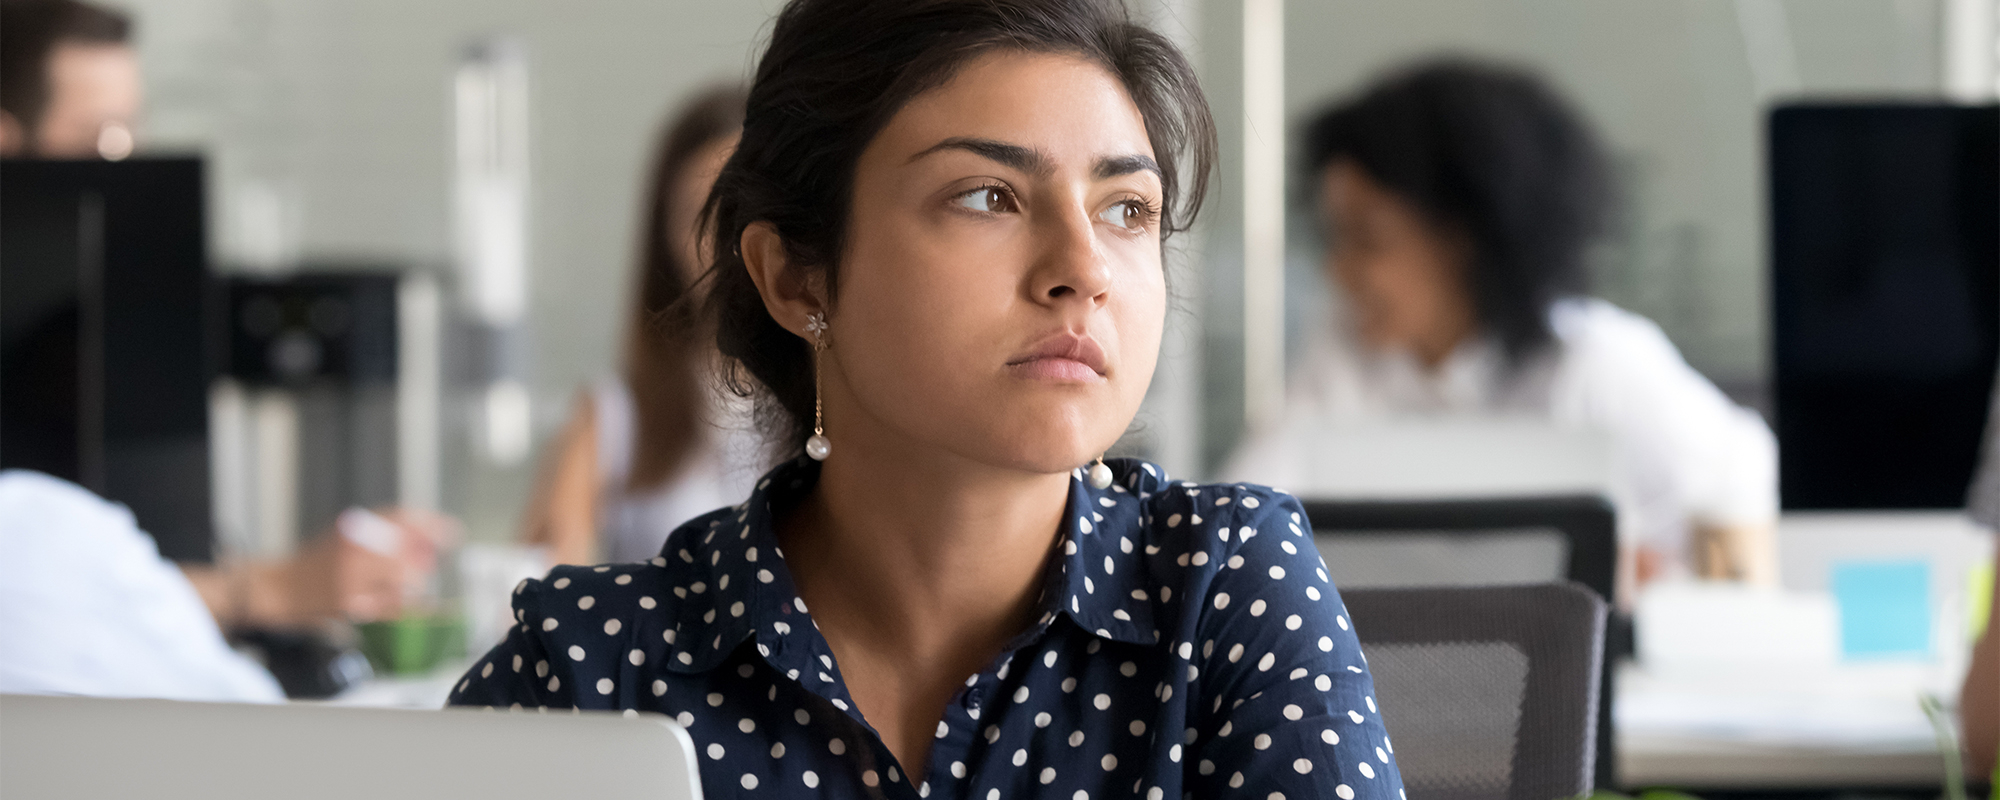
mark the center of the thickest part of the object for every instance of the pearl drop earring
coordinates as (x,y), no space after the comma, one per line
(1100,475)
(817,445)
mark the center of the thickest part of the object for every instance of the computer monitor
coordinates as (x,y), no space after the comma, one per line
(104,358)
(1885,300)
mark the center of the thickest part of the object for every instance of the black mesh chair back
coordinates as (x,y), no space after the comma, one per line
(1514,540)
(1488,693)
(1585,525)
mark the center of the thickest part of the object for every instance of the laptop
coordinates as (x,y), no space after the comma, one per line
(79,747)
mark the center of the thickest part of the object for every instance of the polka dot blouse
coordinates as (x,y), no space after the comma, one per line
(1191,645)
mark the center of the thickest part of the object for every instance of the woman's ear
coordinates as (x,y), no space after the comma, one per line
(789,292)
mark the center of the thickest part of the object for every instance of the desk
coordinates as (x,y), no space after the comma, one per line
(1749,691)
(427,691)
(1850,728)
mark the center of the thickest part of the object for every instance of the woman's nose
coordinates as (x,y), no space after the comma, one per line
(1070,264)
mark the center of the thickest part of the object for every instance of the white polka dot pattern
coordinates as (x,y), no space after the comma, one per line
(1189,644)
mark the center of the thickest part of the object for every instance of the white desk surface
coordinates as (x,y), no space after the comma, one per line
(1829,724)
(1698,764)
(413,691)
(1852,728)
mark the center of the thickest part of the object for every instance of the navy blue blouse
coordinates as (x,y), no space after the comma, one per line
(1191,644)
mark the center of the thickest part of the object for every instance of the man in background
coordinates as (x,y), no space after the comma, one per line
(69,81)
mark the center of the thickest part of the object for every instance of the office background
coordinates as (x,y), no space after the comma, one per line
(328,128)
(332,134)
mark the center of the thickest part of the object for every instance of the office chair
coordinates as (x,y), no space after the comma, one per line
(1576,536)
(1488,693)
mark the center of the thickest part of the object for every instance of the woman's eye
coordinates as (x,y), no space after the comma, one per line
(1123,215)
(987,199)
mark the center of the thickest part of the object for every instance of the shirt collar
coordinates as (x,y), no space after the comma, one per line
(740,587)
(732,556)
(1105,582)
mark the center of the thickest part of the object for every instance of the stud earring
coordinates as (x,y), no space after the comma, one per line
(1100,475)
(817,445)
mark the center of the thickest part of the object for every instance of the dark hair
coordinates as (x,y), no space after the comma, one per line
(29,31)
(1491,153)
(666,347)
(833,75)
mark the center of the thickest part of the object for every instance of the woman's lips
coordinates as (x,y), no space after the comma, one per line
(1060,370)
(1064,357)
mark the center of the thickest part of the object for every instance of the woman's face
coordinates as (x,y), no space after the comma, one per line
(1403,277)
(1001,295)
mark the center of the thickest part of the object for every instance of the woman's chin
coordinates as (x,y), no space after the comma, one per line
(1043,452)
(1033,432)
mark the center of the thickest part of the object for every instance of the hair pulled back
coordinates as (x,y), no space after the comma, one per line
(833,75)
(1491,153)
(666,347)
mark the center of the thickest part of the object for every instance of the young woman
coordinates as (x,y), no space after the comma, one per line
(946,220)
(654,446)
(1460,199)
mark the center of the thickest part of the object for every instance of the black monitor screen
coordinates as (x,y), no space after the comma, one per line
(1885,254)
(103,345)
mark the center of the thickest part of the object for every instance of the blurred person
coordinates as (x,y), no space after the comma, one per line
(940,268)
(655,445)
(1460,199)
(88,606)
(69,80)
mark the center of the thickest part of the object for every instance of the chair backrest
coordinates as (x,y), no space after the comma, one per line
(1488,693)
(64,747)
(1574,537)
(1586,524)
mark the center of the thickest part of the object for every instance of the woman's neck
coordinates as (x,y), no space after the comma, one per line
(924,551)
(1452,329)
(919,567)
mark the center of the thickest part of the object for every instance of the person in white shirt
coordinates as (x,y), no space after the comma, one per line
(1460,199)
(661,442)
(88,607)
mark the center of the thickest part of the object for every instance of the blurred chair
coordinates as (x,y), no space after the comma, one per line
(1498,541)
(87,747)
(1488,693)
(1482,542)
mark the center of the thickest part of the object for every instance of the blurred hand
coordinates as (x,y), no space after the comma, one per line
(367,566)
(379,561)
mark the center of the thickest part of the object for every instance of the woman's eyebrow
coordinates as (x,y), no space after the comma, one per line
(1114,166)
(1025,159)
(1038,163)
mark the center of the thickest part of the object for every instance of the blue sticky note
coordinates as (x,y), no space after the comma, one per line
(1885,608)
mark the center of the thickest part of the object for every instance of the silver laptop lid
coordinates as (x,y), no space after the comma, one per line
(75,747)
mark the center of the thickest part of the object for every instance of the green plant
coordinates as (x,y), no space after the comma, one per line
(1947,739)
